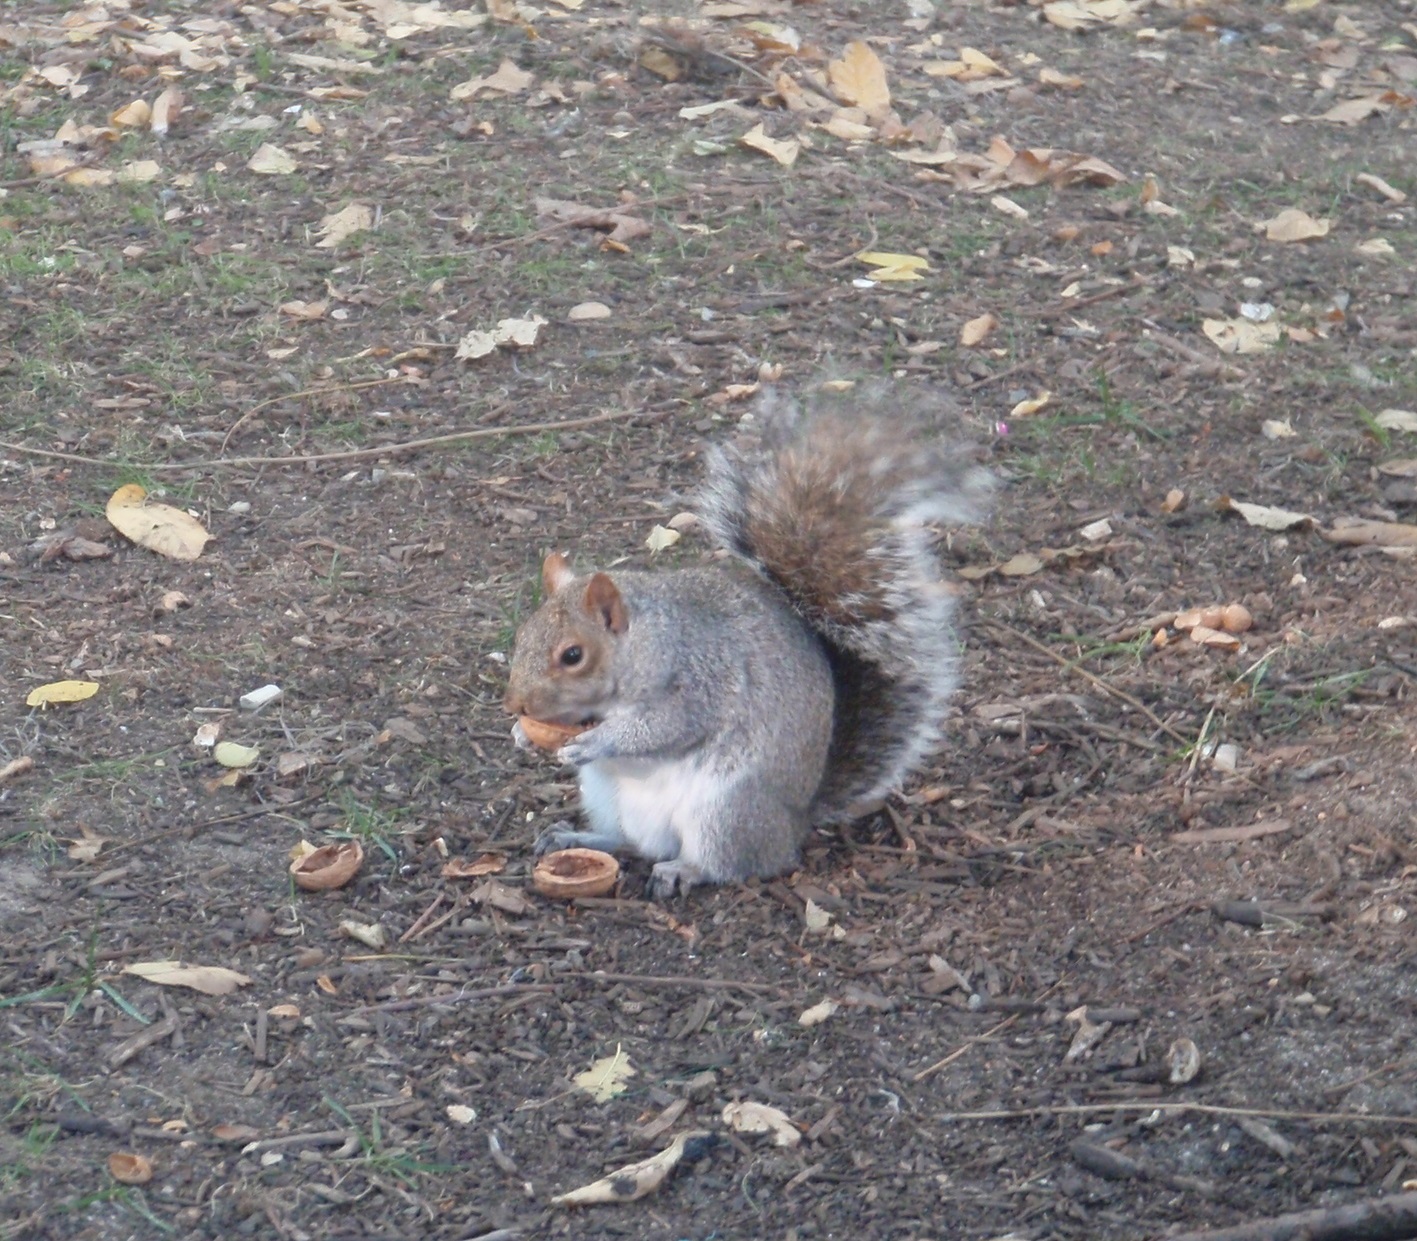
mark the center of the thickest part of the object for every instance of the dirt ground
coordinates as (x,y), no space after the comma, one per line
(1130,839)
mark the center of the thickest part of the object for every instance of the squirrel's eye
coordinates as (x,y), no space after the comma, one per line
(571,656)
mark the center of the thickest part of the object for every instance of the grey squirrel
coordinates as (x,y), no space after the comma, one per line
(731,707)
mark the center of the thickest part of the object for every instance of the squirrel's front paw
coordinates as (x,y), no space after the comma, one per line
(592,746)
(560,835)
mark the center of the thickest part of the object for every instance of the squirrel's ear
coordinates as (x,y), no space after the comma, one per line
(555,573)
(602,599)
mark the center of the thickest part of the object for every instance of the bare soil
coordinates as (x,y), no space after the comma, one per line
(1065,851)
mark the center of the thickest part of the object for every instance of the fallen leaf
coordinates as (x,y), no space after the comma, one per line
(661,537)
(1031,405)
(271,161)
(621,226)
(784,150)
(167,107)
(297,309)
(859,78)
(1376,248)
(60,691)
(1397,420)
(233,755)
(1063,81)
(817,1014)
(894,266)
(1388,191)
(1356,111)
(1404,468)
(136,114)
(509,79)
(1241,335)
(89,846)
(371,934)
(607,1077)
(974,332)
(747,1117)
(476,344)
(1357,531)
(1263,516)
(1277,429)
(1291,224)
(208,979)
(518,333)
(635,1180)
(347,221)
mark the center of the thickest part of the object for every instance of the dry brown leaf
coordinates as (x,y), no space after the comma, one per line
(974,332)
(271,161)
(167,107)
(1357,531)
(749,1117)
(474,868)
(621,226)
(784,150)
(637,1179)
(859,78)
(1241,335)
(1263,516)
(334,228)
(208,979)
(159,527)
(509,79)
(1291,224)
(1388,191)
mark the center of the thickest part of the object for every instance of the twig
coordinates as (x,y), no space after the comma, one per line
(1152,1105)
(356,454)
(964,1047)
(422,919)
(998,375)
(1384,1219)
(1052,312)
(455,997)
(1074,666)
(295,396)
(656,980)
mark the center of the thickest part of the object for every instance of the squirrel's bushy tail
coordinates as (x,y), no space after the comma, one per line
(834,503)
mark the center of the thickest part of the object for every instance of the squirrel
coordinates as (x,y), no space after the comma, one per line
(730,708)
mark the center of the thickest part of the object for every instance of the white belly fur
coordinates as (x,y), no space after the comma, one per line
(660,809)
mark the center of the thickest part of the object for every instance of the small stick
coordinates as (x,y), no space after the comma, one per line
(357,454)
(295,396)
(421,920)
(964,1047)
(1152,1105)
(1393,1218)
(1073,666)
(656,980)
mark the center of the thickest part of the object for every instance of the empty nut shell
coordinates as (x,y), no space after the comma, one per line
(548,736)
(570,873)
(328,867)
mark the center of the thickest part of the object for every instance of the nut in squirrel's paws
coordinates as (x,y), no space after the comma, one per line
(546,735)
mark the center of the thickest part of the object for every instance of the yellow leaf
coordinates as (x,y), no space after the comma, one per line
(903,262)
(783,150)
(660,538)
(232,754)
(607,1077)
(859,78)
(976,330)
(137,113)
(159,527)
(1030,406)
(61,691)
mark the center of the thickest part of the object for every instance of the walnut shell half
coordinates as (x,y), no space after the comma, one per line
(569,873)
(548,736)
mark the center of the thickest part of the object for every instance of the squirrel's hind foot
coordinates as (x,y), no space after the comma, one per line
(666,878)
